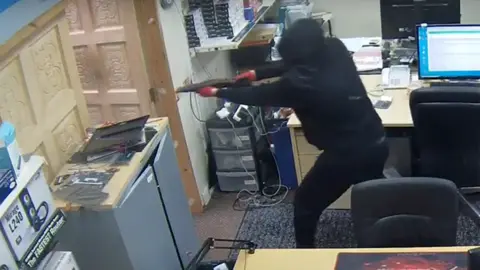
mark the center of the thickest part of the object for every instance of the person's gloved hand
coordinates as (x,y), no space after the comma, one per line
(249,75)
(208,91)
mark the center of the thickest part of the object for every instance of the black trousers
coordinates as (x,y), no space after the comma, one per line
(333,174)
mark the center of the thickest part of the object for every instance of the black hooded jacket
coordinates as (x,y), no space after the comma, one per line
(319,80)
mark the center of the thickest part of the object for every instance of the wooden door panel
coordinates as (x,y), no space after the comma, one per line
(41,96)
(109,58)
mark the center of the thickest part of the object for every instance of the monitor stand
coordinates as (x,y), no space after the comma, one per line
(462,83)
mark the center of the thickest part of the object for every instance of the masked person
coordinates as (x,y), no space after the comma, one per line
(319,80)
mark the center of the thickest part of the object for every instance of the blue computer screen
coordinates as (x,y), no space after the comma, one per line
(448,51)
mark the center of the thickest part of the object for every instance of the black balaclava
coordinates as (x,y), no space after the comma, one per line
(303,43)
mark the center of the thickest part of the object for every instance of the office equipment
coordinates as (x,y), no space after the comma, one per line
(399,17)
(383,103)
(448,51)
(396,76)
(454,113)
(427,218)
(127,133)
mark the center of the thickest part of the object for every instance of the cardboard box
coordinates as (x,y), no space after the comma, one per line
(59,260)
(6,257)
(7,183)
(27,210)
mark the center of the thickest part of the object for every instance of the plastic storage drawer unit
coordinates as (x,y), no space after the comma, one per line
(238,138)
(236,181)
(234,160)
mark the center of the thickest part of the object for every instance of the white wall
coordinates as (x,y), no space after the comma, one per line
(354,18)
(182,67)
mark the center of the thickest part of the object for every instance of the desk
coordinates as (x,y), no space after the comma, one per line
(324,259)
(144,221)
(396,116)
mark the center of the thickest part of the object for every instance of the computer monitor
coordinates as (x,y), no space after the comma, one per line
(399,17)
(448,51)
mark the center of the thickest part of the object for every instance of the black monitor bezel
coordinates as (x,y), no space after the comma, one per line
(418,53)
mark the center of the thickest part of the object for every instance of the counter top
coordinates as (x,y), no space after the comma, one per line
(397,115)
(305,259)
(120,180)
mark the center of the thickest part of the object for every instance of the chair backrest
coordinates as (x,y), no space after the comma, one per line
(447,133)
(405,212)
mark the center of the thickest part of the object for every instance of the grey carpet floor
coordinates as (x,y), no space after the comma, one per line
(273,228)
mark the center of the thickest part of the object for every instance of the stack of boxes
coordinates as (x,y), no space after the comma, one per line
(251,8)
(213,21)
(28,217)
(195,27)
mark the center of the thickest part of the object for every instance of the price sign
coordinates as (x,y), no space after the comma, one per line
(17,229)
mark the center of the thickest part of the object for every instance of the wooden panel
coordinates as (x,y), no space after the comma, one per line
(163,92)
(304,147)
(109,58)
(41,96)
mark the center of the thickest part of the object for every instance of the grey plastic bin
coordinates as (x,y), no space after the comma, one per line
(234,160)
(236,181)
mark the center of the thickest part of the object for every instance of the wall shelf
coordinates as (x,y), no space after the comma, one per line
(234,43)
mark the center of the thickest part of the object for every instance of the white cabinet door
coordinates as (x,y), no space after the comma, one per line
(175,201)
(144,227)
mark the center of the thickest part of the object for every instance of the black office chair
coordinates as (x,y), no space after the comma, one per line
(405,212)
(447,138)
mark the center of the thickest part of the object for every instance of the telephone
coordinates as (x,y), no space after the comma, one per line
(397,76)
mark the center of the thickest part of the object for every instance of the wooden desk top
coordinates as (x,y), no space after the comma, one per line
(305,259)
(397,115)
(118,183)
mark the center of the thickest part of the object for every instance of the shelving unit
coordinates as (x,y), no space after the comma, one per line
(234,43)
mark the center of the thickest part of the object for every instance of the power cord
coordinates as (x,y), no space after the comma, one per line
(378,91)
(262,198)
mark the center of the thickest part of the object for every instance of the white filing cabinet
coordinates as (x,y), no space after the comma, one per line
(150,228)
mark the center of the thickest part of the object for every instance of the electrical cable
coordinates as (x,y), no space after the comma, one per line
(259,199)
(378,91)
(253,198)
(193,111)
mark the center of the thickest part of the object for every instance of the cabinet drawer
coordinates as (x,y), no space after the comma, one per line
(306,162)
(304,147)
(239,160)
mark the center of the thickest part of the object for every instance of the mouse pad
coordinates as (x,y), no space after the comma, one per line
(402,261)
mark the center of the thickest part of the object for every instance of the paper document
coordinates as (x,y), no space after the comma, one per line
(368,58)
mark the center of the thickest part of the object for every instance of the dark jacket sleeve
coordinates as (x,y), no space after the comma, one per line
(272,70)
(276,94)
